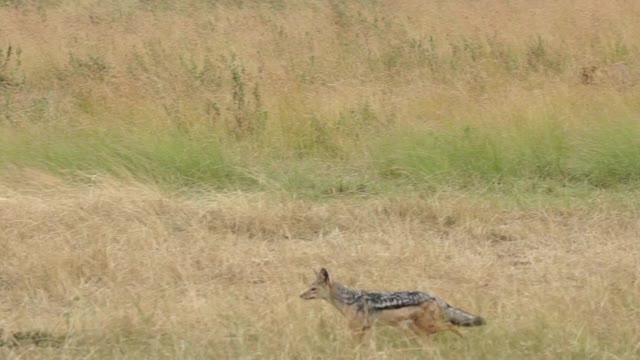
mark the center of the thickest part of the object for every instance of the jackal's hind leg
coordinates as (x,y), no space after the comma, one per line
(419,333)
(432,320)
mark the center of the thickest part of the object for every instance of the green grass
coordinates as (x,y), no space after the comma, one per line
(535,154)
(610,154)
(478,154)
(598,155)
(174,158)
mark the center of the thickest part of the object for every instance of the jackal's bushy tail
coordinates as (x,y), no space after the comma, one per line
(462,318)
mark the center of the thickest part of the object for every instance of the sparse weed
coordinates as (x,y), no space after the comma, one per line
(541,58)
(92,66)
(10,67)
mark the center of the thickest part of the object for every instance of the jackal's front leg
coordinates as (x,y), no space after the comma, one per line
(359,329)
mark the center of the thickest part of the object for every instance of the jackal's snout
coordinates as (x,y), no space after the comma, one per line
(312,293)
(308,295)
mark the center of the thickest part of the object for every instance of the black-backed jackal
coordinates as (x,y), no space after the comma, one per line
(412,310)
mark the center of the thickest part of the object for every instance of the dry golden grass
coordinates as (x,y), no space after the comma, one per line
(125,271)
(409,61)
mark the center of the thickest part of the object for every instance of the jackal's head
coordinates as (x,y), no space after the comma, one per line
(320,288)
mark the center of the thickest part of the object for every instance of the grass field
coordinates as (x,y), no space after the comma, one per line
(171,173)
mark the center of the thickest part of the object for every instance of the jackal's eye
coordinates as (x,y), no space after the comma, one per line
(314,288)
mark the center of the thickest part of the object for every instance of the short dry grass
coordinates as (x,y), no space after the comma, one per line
(122,270)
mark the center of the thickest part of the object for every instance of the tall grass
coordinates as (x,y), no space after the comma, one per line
(470,154)
(492,93)
(601,155)
(175,158)
(614,154)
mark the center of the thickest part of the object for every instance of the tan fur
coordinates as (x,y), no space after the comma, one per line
(426,319)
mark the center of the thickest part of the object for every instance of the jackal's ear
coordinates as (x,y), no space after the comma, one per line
(323,276)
